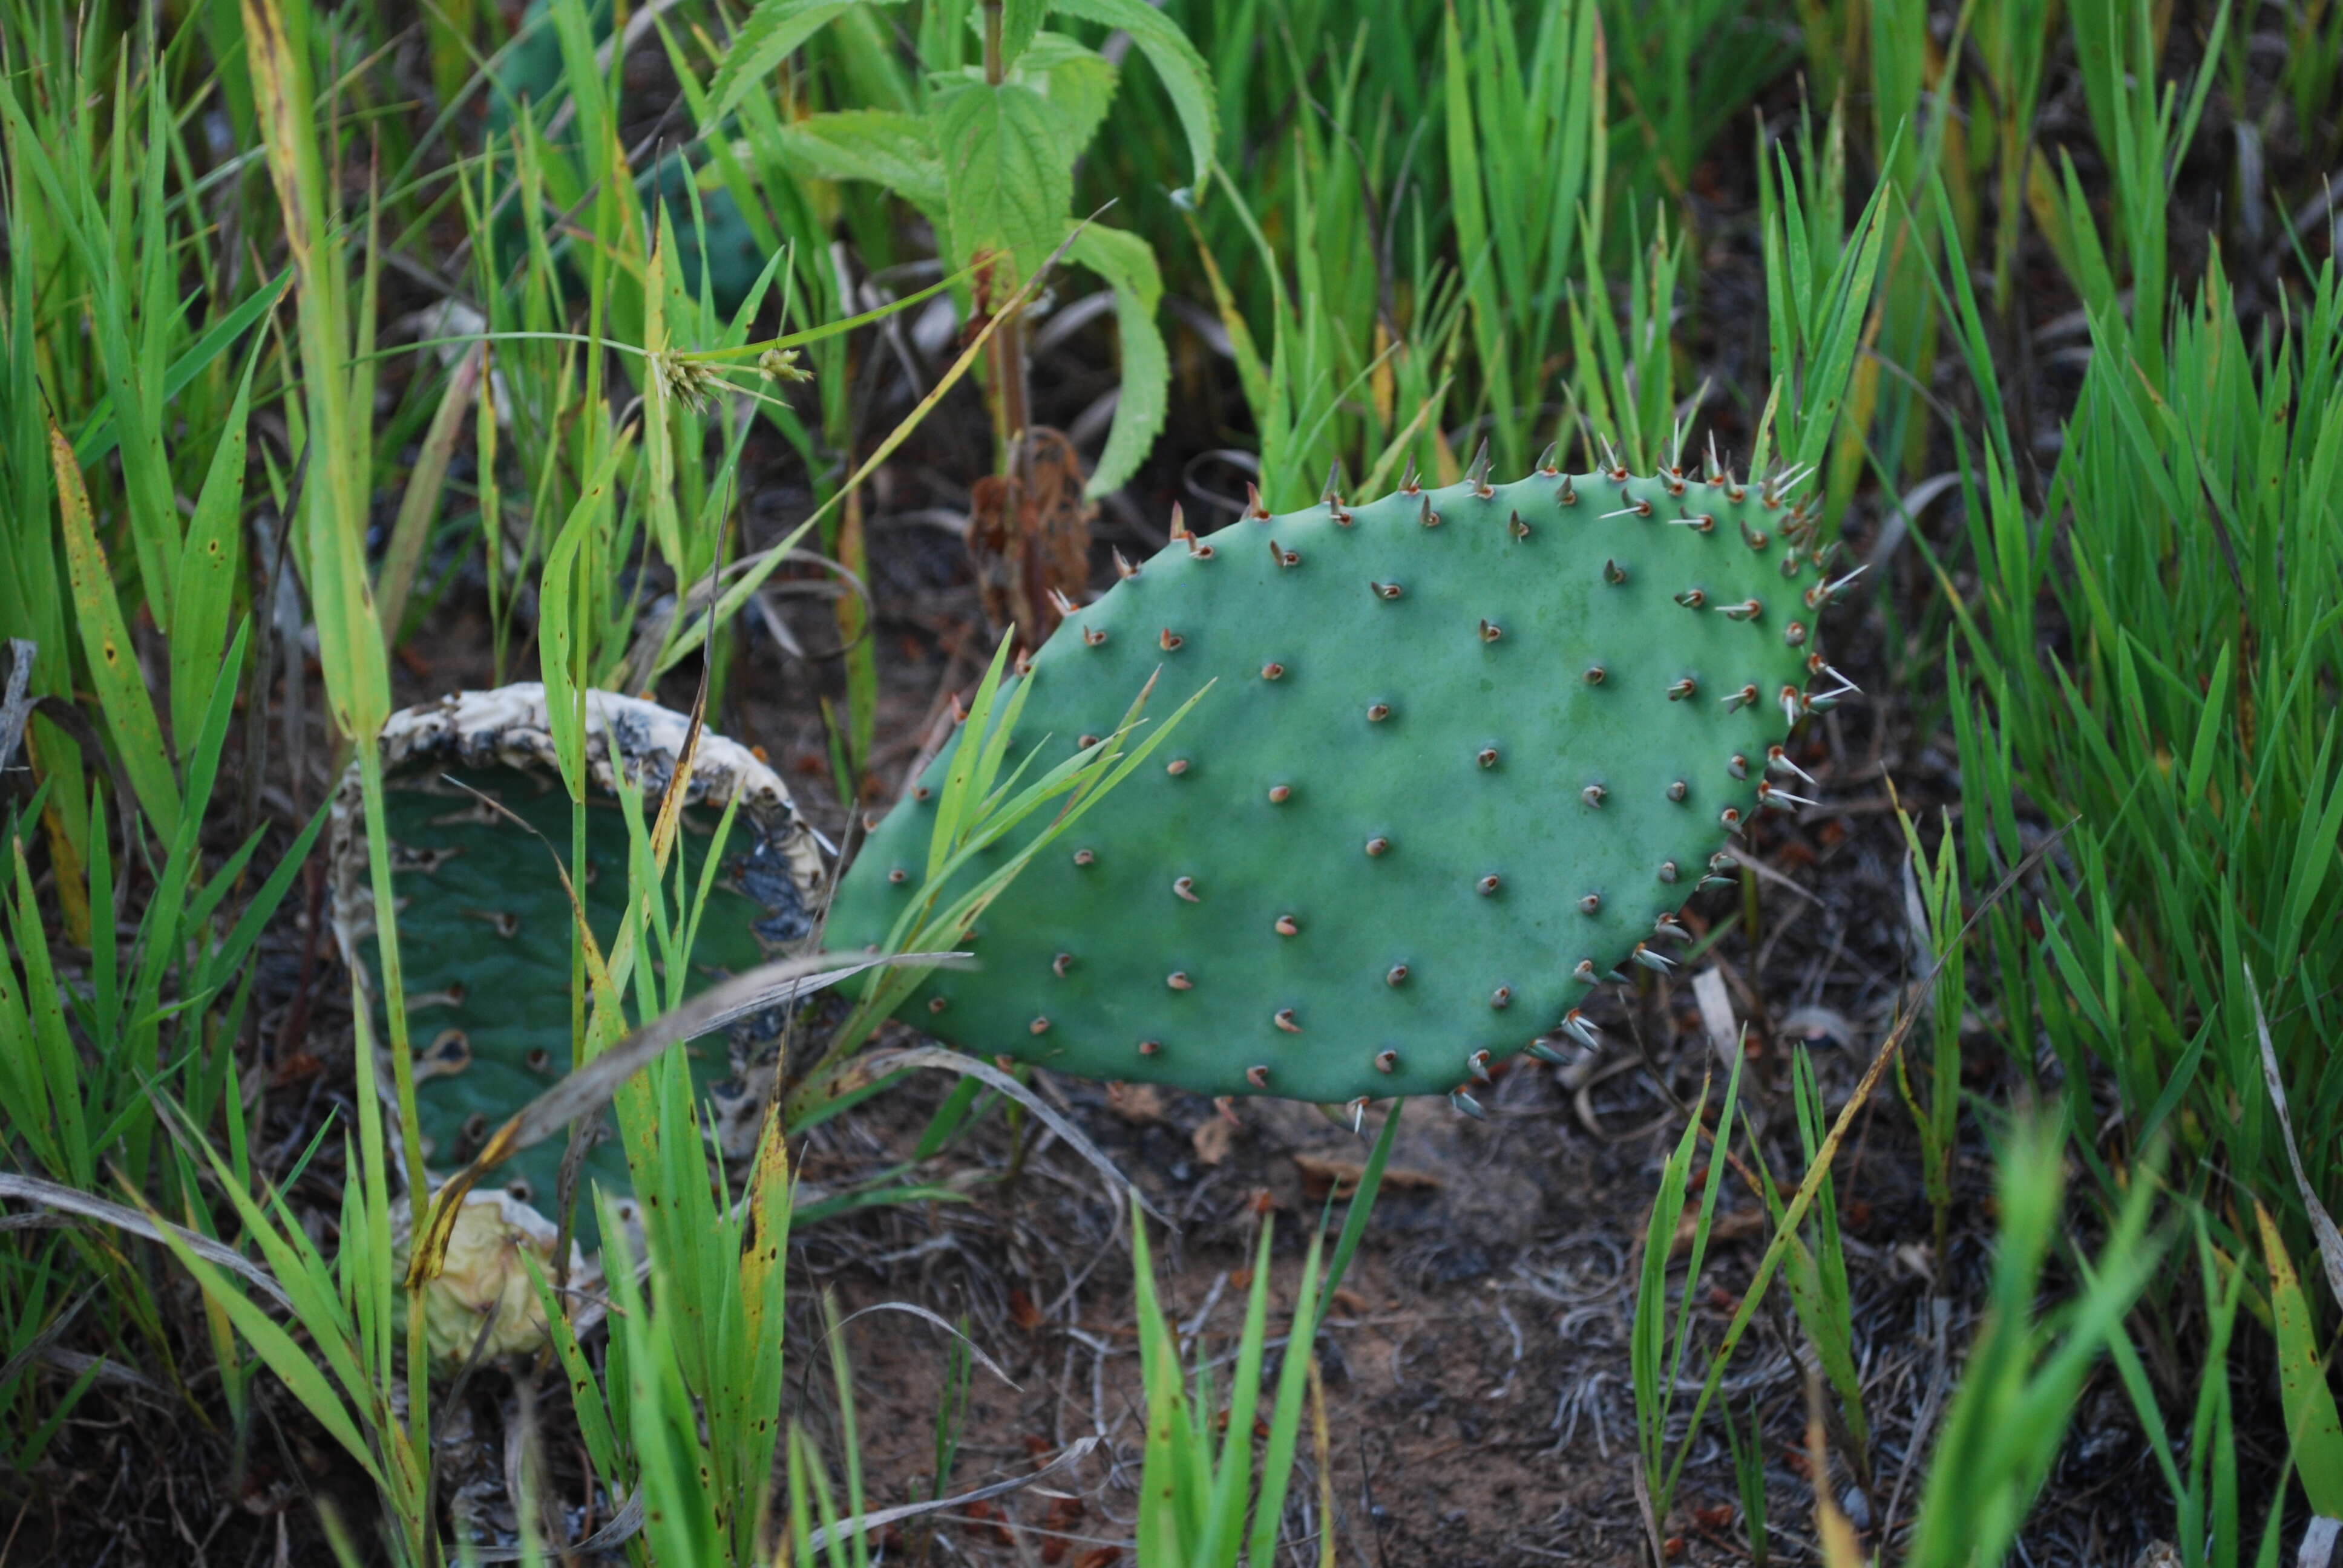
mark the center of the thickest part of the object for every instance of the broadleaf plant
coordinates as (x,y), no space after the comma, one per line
(988,158)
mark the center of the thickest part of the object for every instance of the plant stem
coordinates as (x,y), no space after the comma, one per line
(1008,341)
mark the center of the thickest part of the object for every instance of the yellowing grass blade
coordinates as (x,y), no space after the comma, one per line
(113,662)
(419,505)
(350,638)
(2311,1422)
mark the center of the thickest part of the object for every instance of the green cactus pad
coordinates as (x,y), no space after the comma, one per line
(1467,748)
(485,924)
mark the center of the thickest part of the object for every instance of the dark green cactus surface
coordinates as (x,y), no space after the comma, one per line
(1468,751)
(485,924)
(484,939)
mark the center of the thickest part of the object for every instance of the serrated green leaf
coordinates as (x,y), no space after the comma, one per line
(1123,260)
(1078,81)
(1185,75)
(1128,265)
(1007,186)
(877,145)
(1020,20)
(770,35)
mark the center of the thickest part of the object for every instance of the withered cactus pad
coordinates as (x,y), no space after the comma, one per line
(485,927)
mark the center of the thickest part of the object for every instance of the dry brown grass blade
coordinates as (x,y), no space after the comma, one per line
(1324,1445)
(420,505)
(73,1201)
(879,1064)
(2322,1224)
(974,1350)
(15,705)
(863,1523)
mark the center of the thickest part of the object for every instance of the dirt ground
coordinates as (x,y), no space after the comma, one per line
(1476,1366)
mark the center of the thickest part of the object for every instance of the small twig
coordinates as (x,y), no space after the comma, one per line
(15,708)
(1940,1309)
(863,1523)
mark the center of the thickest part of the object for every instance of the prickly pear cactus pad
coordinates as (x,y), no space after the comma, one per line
(485,926)
(1469,750)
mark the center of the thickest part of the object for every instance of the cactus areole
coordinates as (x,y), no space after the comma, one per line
(1469,751)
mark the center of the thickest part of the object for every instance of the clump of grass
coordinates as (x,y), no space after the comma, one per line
(2027,1366)
(1656,1359)
(1200,1508)
(2018,1384)
(2177,717)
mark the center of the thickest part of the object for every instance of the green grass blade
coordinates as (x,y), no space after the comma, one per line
(209,569)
